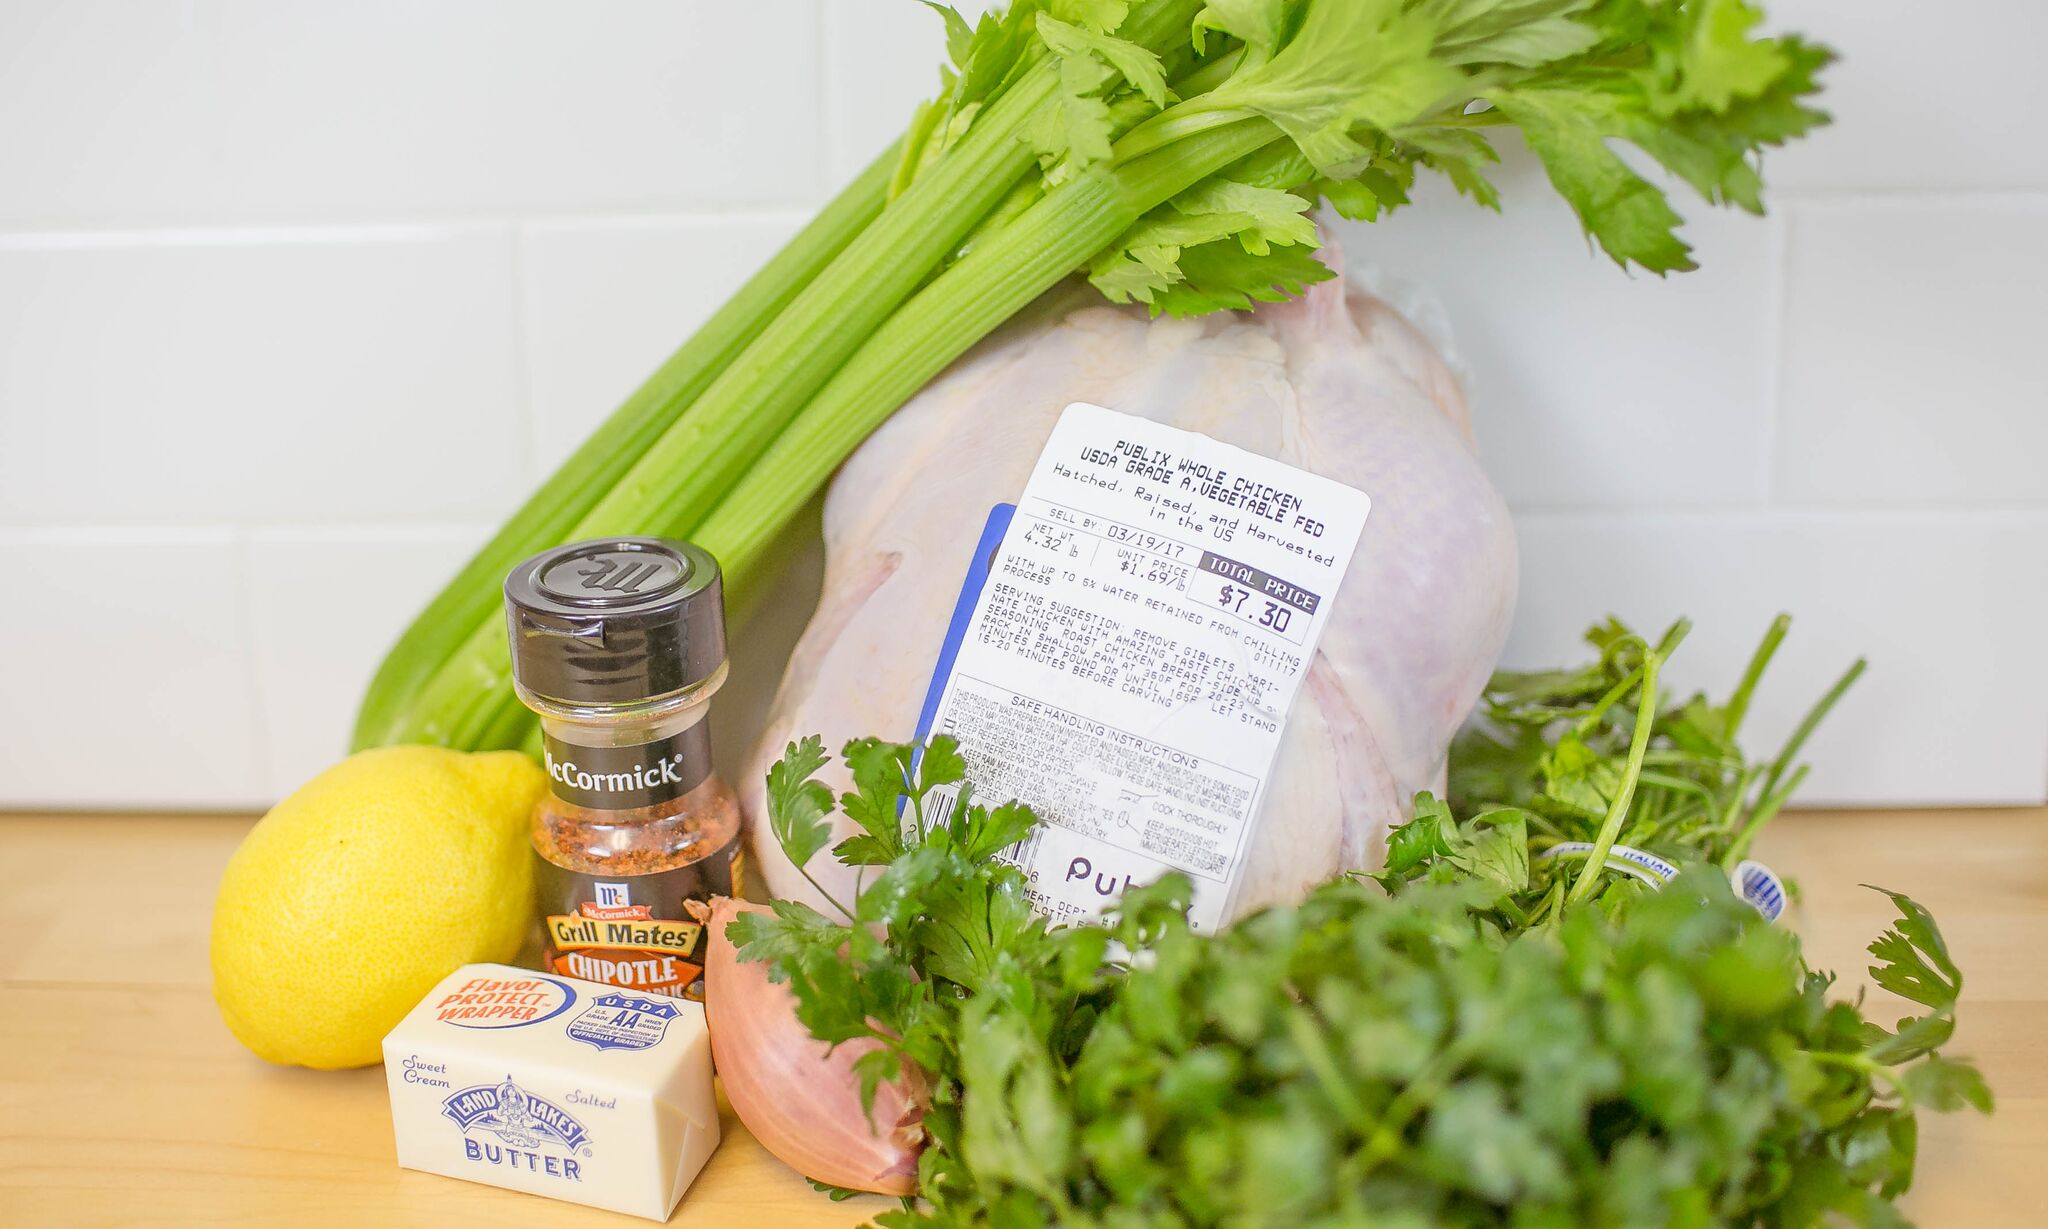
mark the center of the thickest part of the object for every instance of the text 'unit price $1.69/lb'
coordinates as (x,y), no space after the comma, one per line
(1134,648)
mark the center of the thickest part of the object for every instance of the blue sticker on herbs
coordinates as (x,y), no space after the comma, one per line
(1761,887)
(624,1022)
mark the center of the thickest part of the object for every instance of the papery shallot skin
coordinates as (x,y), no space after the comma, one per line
(797,1096)
(1334,382)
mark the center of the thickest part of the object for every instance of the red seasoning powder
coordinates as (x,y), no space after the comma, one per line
(619,645)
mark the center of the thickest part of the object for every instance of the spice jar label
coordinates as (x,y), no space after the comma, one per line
(632,931)
(625,778)
(619,644)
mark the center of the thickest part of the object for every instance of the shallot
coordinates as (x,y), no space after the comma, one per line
(799,1096)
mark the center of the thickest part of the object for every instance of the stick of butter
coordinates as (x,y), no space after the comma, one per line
(554,1086)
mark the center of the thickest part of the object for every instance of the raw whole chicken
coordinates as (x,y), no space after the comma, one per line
(1334,382)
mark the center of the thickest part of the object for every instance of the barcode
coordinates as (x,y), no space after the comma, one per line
(1021,854)
(938,805)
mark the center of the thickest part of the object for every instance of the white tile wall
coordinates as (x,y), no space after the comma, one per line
(606,300)
(135,687)
(1924,96)
(118,112)
(881,59)
(296,294)
(271,377)
(1947,607)
(325,604)
(1591,387)
(1948,291)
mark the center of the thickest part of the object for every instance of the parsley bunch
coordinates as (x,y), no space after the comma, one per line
(1468,1044)
(1360,1060)
(943,924)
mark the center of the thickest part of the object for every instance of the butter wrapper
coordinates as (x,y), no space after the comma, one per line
(556,1087)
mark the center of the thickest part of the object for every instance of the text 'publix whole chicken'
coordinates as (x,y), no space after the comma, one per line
(1335,383)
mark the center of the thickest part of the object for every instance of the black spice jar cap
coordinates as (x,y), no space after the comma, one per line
(615,620)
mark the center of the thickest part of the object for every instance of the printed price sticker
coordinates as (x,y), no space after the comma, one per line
(1136,643)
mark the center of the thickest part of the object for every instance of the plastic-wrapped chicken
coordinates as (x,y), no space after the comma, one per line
(1334,382)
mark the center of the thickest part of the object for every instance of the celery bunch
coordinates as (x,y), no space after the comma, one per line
(1168,150)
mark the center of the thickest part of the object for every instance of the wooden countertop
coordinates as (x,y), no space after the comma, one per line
(123,1101)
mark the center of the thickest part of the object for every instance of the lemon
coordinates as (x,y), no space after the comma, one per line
(351,898)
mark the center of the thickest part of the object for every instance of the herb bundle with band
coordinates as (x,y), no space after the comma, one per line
(1560,769)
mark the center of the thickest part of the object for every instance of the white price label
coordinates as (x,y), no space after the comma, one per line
(1144,628)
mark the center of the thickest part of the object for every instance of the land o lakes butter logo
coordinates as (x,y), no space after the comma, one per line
(530,1127)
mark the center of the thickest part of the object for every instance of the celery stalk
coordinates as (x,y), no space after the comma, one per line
(990,284)
(577,485)
(1352,99)
(472,704)
(680,475)
(683,474)
(693,465)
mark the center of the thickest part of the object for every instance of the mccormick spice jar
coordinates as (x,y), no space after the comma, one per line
(619,645)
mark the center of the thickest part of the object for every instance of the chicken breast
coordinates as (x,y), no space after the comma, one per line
(1334,382)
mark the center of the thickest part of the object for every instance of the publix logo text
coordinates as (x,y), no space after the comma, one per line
(525,1125)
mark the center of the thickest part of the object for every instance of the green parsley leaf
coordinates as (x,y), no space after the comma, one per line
(881,774)
(797,804)
(1913,959)
(1498,850)
(1014,1122)
(1428,835)
(985,833)
(1946,1085)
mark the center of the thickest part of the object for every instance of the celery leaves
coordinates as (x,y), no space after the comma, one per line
(1204,222)
(1367,92)
(1094,67)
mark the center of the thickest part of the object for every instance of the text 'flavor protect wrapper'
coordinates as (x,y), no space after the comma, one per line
(555,1087)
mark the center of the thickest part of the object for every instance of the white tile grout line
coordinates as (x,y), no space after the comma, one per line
(1901,196)
(221,534)
(403,226)
(1814,514)
(230,234)
(474,534)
